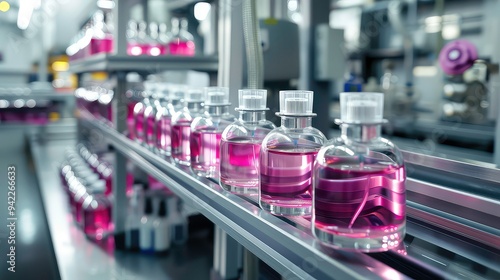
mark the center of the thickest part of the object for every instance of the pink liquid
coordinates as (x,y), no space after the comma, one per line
(163,133)
(130,120)
(360,201)
(139,124)
(180,142)
(286,179)
(136,49)
(181,48)
(150,130)
(205,152)
(97,217)
(239,165)
(156,50)
(104,45)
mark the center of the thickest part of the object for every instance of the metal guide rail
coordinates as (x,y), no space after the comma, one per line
(438,245)
(145,64)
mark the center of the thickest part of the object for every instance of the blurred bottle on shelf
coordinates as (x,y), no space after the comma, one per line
(181,126)
(102,38)
(181,43)
(96,210)
(173,97)
(146,230)
(161,229)
(156,47)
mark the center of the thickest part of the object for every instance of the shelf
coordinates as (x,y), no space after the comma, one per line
(146,64)
(287,245)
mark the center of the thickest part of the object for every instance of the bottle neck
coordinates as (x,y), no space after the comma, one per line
(296,122)
(360,132)
(252,116)
(216,110)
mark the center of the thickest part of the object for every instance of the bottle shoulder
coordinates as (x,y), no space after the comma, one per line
(255,130)
(378,149)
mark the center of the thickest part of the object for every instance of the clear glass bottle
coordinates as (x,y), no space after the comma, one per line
(134,47)
(287,156)
(181,43)
(150,116)
(134,96)
(241,141)
(181,126)
(96,209)
(161,229)
(164,36)
(146,230)
(102,38)
(174,97)
(143,38)
(133,219)
(139,108)
(359,182)
(206,131)
(156,48)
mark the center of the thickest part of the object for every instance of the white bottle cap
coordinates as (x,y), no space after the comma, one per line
(194,95)
(215,96)
(252,99)
(296,103)
(361,107)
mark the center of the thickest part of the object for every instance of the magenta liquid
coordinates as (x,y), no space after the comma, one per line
(97,218)
(360,201)
(150,130)
(239,165)
(101,45)
(181,48)
(135,49)
(163,133)
(205,152)
(181,152)
(286,180)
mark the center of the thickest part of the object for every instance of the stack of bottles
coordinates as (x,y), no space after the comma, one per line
(353,186)
(95,37)
(96,100)
(155,221)
(155,39)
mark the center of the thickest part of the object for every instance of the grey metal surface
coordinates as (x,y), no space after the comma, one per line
(79,258)
(292,252)
(147,64)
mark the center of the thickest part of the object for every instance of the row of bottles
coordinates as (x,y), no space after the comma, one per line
(95,37)
(96,100)
(155,220)
(153,39)
(88,193)
(353,186)
(156,40)
(30,111)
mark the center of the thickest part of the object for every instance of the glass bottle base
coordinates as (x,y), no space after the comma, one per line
(366,240)
(249,190)
(285,208)
(182,162)
(203,171)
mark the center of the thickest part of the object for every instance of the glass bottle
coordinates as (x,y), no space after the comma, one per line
(206,131)
(156,48)
(139,109)
(133,219)
(102,38)
(164,36)
(146,230)
(96,210)
(287,156)
(161,229)
(134,96)
(149,116)
(240,144)
(181,126)
(134,47)
(359,181)
(181,43)
(177,221)
(172,104)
